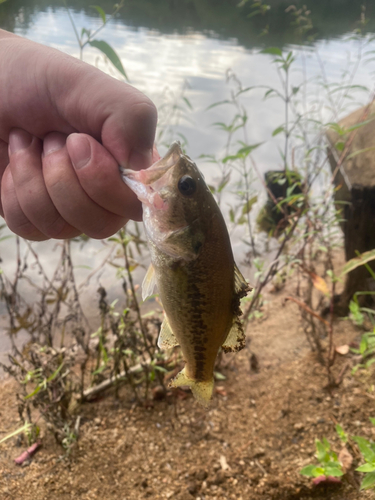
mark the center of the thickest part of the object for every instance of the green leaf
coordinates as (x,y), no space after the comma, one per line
(25,427)
(278,130)
(341,433)
(358,152)
(372,420)
(269,92)
(368,481)
(255,13)
(322,455)
(333,471)
(275,51)
(100,11)
(2,1)
(366,468)
(363,345)
(365,448)
(308,471)
(245,151)
(7,237)
(187,102)
(218,104)
(219,376)
(358,125)
(231,215)
(318,471)
(357,261)
(110,53)
(249,205)
(232,157)
(340,146)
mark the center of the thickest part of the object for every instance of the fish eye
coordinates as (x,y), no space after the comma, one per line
(186,185)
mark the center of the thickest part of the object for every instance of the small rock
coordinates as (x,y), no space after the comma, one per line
(219,478)
(193,488)
(223,463)
(299,426)
(158,393)
(185,496)
(274,483)
(201,475)
(259,452)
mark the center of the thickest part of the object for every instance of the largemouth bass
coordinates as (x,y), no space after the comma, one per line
(192,265)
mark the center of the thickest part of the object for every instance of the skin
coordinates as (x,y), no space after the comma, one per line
(64,128)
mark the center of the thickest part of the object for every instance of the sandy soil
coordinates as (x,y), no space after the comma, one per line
(251,444)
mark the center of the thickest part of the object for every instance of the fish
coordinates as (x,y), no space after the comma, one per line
(192,265)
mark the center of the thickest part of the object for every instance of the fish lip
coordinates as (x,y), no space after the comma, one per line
(142,182)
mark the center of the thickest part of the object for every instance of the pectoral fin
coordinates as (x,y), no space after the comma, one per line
(202,391)
(148,283)
(236,338)
(167,338)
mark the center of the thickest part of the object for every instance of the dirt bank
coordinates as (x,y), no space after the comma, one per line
(251,444)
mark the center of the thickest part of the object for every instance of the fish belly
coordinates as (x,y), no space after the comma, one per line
(198,304)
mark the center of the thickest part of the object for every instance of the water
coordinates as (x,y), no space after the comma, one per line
(167,49)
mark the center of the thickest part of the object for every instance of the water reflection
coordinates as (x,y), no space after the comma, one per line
(156,61)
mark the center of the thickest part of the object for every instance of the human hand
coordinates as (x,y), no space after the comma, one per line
(64,128)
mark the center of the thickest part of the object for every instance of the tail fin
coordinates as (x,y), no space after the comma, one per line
(202,391)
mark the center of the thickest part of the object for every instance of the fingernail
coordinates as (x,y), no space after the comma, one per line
(53,142)
(140,159)
(19,139)
(79,150)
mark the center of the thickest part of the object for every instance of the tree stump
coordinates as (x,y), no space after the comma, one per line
(356,178)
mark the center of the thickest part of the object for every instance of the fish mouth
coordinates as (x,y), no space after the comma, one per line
(147,183)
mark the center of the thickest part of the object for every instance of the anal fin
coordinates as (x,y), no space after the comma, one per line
(167,338)
(149,282)
(202,390)
(236,338)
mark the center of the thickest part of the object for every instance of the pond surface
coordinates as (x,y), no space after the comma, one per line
(181,52)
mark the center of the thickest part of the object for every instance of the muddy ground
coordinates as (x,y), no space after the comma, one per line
(251,444)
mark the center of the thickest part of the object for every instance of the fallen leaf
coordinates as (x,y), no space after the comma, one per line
(345,459)
(318,282)
(342,349)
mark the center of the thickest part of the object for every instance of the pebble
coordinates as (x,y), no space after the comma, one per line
(201,475)
(193,487)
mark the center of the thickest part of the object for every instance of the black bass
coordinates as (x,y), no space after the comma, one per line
(192,265)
